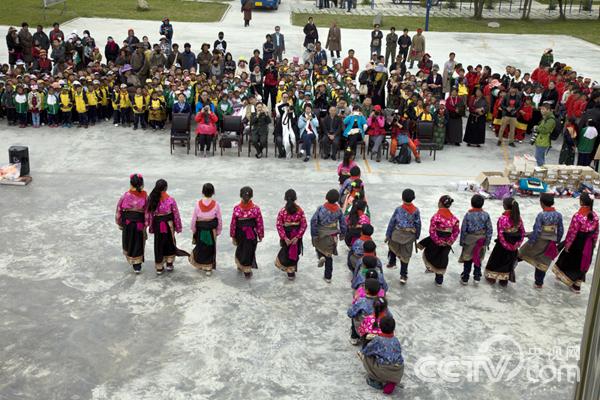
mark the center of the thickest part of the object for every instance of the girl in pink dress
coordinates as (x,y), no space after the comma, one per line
(443,232)
(130,219)
(343,169)
(291,225)
(206,225)
(163,220)
(246,230)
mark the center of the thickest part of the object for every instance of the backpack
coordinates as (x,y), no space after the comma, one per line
(404,156)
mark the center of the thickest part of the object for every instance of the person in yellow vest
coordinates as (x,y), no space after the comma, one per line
(156,113)
(139,109)
(124,105)
(104,110)
(80,102)
(66,106)
(115,99)
(92,94)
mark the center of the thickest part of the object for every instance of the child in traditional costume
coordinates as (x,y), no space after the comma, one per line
(291,225)
(382,358)
(575,259)
(163,220)
(369,262)
(361,292)
(475,237)
(355,219)
(345,185)
(541,247)
(370,326)
(501,264)
(206,225)
(325,225)
(130,217)
(345,168)
(357,250)
(246,230)
(361,308)
(403,230)
(443,232)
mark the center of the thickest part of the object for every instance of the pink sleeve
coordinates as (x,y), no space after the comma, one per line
(455,231)
(260,226)
(339,169)
(381,121)
(595,235)
(194,218)
(572,232)
(176,216)
(433,230)
(119,210)
(233,223)
(219,219)
(279,224)
(501,228)
(303,225)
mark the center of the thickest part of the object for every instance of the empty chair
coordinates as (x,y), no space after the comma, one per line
(231,133)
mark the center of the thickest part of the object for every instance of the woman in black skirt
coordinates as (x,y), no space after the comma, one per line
(291,225)
(511,233)
(443,232)
(130,218)
(246,230)
(575,260)
(206,226)
(163,221)
(475,131)
(456,110)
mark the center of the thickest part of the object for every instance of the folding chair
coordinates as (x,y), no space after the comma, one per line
(231,133)
(425,136)
(180,130)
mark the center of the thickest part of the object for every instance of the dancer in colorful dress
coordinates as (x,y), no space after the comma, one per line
(355,219)
(206,225)
(291,225)
(163,220)
(575,260)
(541,247)
(403,230)
(130,218)
(246,230)
(443,232)
(475,237)
(325,225)
(511,233)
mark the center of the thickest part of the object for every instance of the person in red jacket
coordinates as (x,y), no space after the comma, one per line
(206,128)
(376,123)
(350,64)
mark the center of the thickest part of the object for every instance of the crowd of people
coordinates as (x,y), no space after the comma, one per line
(317,98)
(345,218)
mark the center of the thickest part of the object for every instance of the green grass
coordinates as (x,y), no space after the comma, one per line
(575,4)
(14,12)
(588,30)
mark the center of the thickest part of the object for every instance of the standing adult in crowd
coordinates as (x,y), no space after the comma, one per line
(56,33)
(278,44)
(311,33)
(26,42)
(376,39)
(447,72)
(41,38)
(166,30)
(247,10)
(417,47)
(334,40)
(404,41)
(510,106)
(131,40)
(475,131)
(391,44)
(350,64)
(13,45)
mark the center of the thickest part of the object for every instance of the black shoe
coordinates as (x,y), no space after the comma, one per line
(511,144)
(499,143)
(457,144)
(306,159)
(326,157)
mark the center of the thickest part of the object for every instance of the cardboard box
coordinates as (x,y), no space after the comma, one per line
(490,179)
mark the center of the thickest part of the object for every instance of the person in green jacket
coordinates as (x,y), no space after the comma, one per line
(544,130)
(585,144)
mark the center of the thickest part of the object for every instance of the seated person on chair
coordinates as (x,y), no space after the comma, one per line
(400,137)
(308,124)
(331,134)
(181,106)
(355,127)
(259,123)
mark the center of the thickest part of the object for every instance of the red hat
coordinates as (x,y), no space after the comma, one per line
(377,107)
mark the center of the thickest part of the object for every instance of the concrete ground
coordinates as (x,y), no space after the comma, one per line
(77,324)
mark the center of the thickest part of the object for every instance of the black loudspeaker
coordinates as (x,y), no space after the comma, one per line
(19,154)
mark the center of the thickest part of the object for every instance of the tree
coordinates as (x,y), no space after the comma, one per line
(526,9)
(561,10)
(478,7)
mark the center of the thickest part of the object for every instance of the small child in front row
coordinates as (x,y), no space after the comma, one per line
(21,105)
(382,358)
(475,236)
(361,308)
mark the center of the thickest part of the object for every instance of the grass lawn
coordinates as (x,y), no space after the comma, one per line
(14,12)
(584,29)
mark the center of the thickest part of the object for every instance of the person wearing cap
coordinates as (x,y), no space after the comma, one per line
(66,106)
(166,30)
(417,47)
(93,96)
(52,107)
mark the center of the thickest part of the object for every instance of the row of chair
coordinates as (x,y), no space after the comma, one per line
(232,134)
